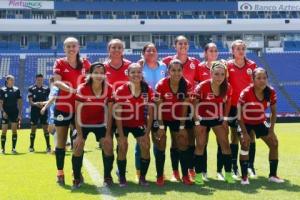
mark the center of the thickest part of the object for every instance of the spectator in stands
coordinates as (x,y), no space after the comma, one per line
(11,110)
(240,71)
(190,68)
(173,94)
(153,71)
(211,106)
(93,105)
(253,102)
(69,72)
(38,96)
(136,94)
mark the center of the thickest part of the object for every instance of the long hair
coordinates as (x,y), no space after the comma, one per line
(236,43)
(224,85)
(182,82)
(95,65)
(68,40)
(267,90)
(206,47)
(144,84)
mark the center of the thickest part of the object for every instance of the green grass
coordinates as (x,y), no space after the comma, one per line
(32,176)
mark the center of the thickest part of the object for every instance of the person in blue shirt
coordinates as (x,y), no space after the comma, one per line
(153,71)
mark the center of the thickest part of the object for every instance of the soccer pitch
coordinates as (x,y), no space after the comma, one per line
(32,176)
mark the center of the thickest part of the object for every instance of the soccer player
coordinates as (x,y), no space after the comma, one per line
(94,114)
(38,96)
(134,114)
(190,68)
(253,102)
(240,76)
(153,71)
(210,55)
(11,110)
(116,65)
(173,100)
(211,108)
(69,72)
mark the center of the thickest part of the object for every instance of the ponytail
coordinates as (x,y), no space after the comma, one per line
(182,89)
(78,61)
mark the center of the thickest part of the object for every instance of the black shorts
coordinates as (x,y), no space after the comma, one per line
(63,118)
(35,117)
(260,130)
(232,122)
(98,131)
(136,132)
(12,116)
(211,123)
(174,125)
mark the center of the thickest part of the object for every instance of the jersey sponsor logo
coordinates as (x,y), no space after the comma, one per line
(192,66)
(205,74)
(249,71)
(60,117)
(232,70)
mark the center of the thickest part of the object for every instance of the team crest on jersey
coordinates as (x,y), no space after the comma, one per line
(5,95)
(126,72)
(192,66)
(83,71)
(34,96)
(3,121)
(60,118)
(249,71)
(162,73)
(66,71)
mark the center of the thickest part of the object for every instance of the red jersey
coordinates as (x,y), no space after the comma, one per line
(253,108)
(117,77)
(211,106)
(65,101)
(170,99)
(190,68)
(203,72)
(133,108)
(239,78)
(93,110)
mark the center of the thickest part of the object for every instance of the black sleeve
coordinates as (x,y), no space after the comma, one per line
(1,94)
(19,94)
(48,92)
(30,92)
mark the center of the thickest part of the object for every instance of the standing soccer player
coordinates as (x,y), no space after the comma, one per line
(38,96)
(173,100)
(153,71)
(11,109)
(240,76)
(93,114)
(69,72)
(211,108)
(204,73)
(134,114)
(253,102)
(190,68)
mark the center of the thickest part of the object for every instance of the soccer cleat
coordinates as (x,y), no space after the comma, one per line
(275,179)
(245,181)
(31,149)
(235,175)
(143,182)
(48,150)
(228,178)
(199,179)
(160,181)
(252,173)
(186,180)
(122,182)
(61,180)
(77,183)
(14,151)
(192,173)
(204,176)
(220,176)
(108,182)
(175,176)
